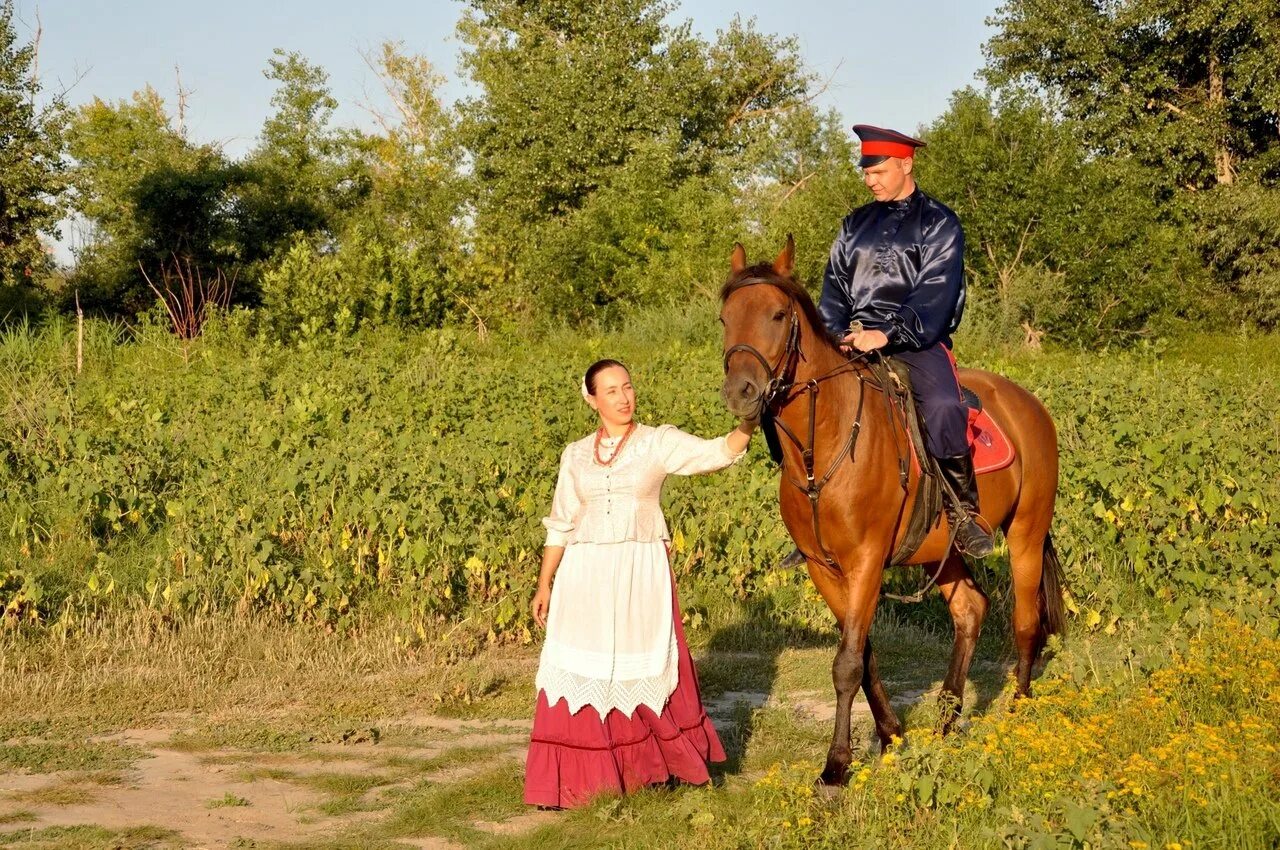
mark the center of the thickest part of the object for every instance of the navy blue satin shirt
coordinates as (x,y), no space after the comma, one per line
(898,267)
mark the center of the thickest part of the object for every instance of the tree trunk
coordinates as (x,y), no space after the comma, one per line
(1222,159)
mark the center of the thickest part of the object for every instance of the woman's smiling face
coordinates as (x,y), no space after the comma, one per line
(614,397)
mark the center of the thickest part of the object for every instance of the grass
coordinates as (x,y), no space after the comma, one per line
(51,756)
(128,669)
(449,809)
(73,789)
(91,838)
(226,801)
(462,782)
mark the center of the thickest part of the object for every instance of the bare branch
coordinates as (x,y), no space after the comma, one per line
(794,188)
(187,297)
(79,334)
(743,114)
(35,54)
(1022,243)
(183,94)
(482,329)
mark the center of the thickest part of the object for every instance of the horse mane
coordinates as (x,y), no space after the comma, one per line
(764,273)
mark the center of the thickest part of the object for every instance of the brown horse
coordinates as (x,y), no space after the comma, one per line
(779,358)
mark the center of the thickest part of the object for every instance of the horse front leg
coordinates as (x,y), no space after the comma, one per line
(846,675)
(850,668)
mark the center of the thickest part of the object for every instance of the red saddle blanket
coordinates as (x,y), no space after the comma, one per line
(991,449)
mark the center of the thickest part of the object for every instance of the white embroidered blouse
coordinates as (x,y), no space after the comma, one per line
(611,640)
(620,502)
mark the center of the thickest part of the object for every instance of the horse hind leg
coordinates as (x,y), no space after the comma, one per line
(968,606)
(888,726)
(1037,598)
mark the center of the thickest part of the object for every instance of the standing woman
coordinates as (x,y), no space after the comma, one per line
(618,704)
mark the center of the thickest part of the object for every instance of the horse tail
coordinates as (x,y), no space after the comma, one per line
(1053,614)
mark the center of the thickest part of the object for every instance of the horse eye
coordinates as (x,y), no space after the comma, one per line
(780,315)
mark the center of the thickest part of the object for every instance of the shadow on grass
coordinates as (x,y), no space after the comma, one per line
(739,668)
(738,665)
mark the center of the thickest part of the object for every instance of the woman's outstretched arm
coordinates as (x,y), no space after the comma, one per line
(739,438)
(687,454)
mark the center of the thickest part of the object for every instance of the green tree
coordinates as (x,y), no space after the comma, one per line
(1056,241)
(413,163)
(32,169)
(396,259)
(149,195)
(608,148)
(561,105)
(1190,88)
(304,175)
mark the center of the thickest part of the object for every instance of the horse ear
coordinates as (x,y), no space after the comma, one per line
(785,264)
(738,259)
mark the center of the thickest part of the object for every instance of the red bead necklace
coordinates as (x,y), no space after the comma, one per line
(617,451)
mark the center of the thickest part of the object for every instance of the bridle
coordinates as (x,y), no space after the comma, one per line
(779,381)
(781,390)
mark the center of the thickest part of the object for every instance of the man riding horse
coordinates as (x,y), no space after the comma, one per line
(895,283)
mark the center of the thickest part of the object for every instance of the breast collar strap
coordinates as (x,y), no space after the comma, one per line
(781,390)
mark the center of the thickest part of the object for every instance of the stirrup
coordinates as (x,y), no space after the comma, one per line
(970,537)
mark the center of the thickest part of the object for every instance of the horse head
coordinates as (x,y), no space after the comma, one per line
(759,320)
(766,314)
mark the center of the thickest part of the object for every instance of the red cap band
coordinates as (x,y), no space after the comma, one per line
(878,148)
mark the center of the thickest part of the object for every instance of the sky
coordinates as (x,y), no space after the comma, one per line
(892,65)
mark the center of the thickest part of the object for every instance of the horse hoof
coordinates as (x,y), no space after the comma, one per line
(833,776)
(823,791)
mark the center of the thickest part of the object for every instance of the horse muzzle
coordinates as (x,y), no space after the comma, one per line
(744,396)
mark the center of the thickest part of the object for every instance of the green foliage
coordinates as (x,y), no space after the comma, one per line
(414,163)
(410,471)
(1237,231)
(304,176)
(1163,473)
(1056,242)
(32,170)
(600,196)
(1116,758)
(645,238)
(1190,90)
(562,106)
(151,194)
(368,280)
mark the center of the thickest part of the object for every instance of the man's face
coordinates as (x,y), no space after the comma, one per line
(888,180)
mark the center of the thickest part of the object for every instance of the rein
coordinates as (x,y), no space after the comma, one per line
(781,390)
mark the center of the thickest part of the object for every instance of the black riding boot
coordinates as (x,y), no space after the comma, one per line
(971,538)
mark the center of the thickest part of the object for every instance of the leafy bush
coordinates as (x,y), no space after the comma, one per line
(1238,234)
(1130,762)
(410,470)
(368,280)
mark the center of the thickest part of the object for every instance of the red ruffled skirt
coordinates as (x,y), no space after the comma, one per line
(574,758)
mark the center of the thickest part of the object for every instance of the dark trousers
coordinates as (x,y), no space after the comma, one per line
(936,388)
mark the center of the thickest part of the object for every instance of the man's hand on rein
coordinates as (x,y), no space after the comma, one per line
(864,340)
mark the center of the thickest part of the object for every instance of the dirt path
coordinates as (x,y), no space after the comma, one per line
(217,798)
(254,779)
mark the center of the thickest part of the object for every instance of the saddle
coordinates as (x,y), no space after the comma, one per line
(990,448)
